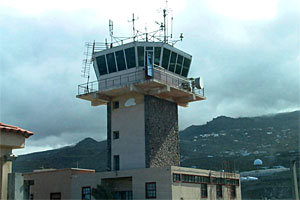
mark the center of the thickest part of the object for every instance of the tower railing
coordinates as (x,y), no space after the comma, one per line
(159,74)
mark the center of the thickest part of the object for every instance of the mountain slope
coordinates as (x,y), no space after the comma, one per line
(222,144)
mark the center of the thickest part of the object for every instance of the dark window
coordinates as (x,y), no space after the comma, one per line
(120,60)
(86,193)
(219,191)
(172,62)
(116,162)
(140,51)
(116,135)
(176,177)
(55,196)
(111,62)
(232,192)
(31,196)
(101,65)
(157,51)
(166,57)
(149,48)
(150,190)
(186,66)
(204,190)
(130,57)
(179,64)
(116,104)
(126,195)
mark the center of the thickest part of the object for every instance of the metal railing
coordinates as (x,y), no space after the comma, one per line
(160,75)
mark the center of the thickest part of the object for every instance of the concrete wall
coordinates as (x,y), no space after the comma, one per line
(193,190)
(11,140)
(15,186)
(130,123)
(52,181)
(138,177)
(161,132)
(5,169)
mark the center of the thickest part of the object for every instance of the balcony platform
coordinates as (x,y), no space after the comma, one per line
(163,85)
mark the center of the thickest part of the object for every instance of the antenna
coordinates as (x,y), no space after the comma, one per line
(172,26)
(111,30)
(133,27)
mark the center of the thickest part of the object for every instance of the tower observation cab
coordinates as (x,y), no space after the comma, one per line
(141,82)
(154,68)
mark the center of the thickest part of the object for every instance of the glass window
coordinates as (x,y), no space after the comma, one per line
(166,57)
(157,51)
(232,192)
(116,104)
(111,62)
(186,66)
(219,191)
(179,64)
(204,190)
(149,48)
(55,196)
(172,62)
(140,51)
(116,162)
(101,65)
(150,190)
(116,135)
(130,57)
(86,193)
(176,177)
(120,60)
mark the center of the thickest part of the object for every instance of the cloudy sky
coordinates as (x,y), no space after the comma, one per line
(247,51)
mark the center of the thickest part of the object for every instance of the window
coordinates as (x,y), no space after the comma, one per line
(120,60)
(165,59)
(116,104)
(176,177)
(186,66)
(31,196)
(179,64)
(116,135)
(101,65)
(130,57)
(157,51)
(194,179)
(55,196)
(86,193)
(116,162)
(151,190)
(204,190)
(127,195)
(219,191)
(172,62)
(111,62)
(232,192)
(140,51)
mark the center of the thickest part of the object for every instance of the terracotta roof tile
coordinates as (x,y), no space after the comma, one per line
(15,129)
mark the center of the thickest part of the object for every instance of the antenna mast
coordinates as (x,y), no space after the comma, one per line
(133,26)
(111,30)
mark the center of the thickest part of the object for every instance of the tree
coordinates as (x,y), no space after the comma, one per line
(102,191)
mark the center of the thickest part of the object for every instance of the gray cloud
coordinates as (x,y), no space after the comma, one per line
(249,68)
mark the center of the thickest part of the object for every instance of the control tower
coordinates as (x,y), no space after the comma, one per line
(142,82)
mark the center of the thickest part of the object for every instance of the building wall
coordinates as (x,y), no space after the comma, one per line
(161,132)
(193,190)
(130,123)
(52,181)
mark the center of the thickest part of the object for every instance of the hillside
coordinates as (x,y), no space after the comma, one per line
(222,144)
(234,143)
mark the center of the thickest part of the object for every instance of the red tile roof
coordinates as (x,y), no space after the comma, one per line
(15,129)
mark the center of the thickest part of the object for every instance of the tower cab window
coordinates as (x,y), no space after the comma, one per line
(116,104)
